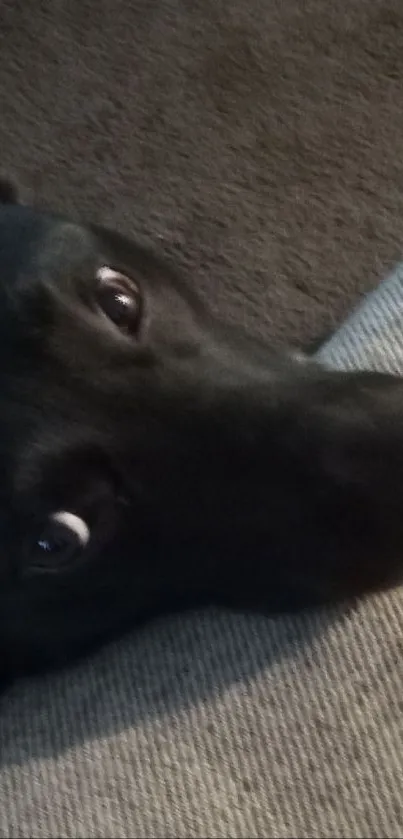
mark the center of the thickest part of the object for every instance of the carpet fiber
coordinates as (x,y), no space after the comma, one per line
(257,141)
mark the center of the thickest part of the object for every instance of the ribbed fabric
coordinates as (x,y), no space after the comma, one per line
(216,725)
(372,336)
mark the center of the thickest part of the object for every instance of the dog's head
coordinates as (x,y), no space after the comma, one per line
(123,472)
(153,458)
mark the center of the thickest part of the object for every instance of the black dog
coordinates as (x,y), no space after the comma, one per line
(153,459)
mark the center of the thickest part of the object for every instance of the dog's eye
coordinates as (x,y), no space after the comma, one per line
(119,299)
(64,536)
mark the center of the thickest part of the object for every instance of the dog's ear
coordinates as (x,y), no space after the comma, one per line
(9,190)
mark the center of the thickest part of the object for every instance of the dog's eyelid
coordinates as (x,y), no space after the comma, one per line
(106,274)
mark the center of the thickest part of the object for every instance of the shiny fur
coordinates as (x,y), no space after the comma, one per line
(208,468)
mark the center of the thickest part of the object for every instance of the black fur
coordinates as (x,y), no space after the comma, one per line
(210,469)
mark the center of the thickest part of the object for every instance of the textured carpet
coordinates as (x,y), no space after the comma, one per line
(257,141)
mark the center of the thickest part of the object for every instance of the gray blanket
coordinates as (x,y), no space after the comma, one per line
(213,724)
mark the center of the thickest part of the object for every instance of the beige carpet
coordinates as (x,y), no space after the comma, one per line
(258,141)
